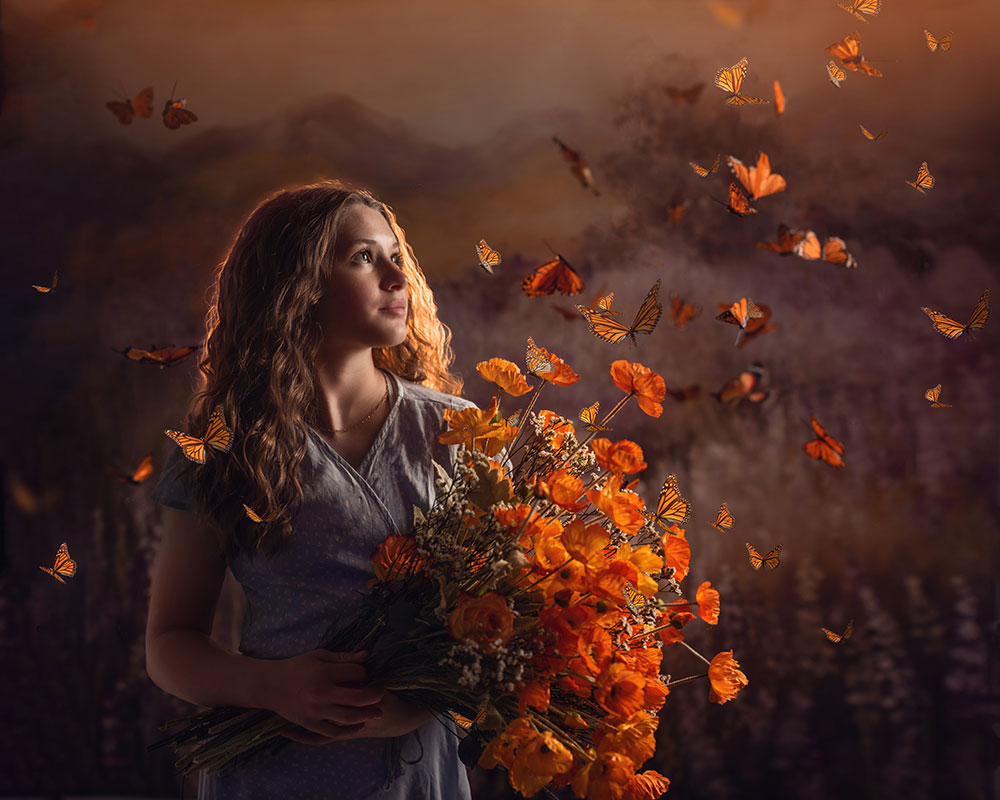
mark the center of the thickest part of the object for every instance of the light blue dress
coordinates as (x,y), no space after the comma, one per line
(316,578)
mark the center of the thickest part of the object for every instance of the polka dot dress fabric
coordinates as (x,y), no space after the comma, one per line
(317,578)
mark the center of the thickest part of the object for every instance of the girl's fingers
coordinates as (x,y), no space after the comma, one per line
(350,715)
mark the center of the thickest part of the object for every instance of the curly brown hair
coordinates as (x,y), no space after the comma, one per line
(262,336)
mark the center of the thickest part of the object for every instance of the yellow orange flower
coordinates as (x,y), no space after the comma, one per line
(619,690)
(472,426)
(708,603)
(642,659)
(505,374)
(725,678)
(595,646)
(623,457)
(536,695)
(555,425)
(648,785)
(605,778)
(565,490)
(654,694)
(537,761)
(501,749)
(635,737)
(562,375)
(485,620)
(648,387)
(624,508)
(676,552)
(645,561)
(583,542)
(609,581)
(674,618)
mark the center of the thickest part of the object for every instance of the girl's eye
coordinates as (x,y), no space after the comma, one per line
(396,258)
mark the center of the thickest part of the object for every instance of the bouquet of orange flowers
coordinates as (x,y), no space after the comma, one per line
(526,601)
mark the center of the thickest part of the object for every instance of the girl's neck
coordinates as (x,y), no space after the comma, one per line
(349,388)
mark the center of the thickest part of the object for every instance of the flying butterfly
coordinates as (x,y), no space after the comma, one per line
(833,250)
(634,599)
(488,257)
(771,559)
(671,507)
(824,447)
(924,179)
(578,166)
(835,74)
(757,326)
(871,137)
(682,313)
(701,171)
(723,521)
(255,517)
(946,326)
(47,289)
(738,203)
(681,96)
(837,638)
(787,239)
(740,312)
(589,416)
(139,106)
(933,43)
(143,471)
(848,50)
(759,181)
(743,387)
(175,113)
(600,301)
(165,356)
(217,435)
(63,566)
(933,394)
(535,359)
(779,100)
(555,275)
(730,80)
(861,7)
(611,330)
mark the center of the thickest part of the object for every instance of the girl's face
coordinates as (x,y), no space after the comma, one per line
(365,303)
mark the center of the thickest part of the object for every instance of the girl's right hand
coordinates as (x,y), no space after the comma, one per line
(321,694)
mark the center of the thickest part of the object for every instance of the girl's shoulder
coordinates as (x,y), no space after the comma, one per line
(431,399)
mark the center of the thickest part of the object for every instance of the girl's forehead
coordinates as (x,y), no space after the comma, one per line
(360,223)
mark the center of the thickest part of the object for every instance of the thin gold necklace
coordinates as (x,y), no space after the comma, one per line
(371,413)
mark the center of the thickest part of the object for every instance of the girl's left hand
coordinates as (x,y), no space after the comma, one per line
(399,717)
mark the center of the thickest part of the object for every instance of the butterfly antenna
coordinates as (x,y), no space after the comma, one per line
(173,91)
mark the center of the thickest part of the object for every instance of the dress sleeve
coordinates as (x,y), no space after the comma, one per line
(173,489)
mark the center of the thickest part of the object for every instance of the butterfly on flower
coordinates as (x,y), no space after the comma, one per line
(848,50)
(64,566)
(738,203)
(165,356)
(861,7)
(682,313)
(837,638)
(740,313)
(779,100)
(578,166)
(824,447)
(743,387)
(723,521)
(217,435)
(139,106)
(835,74)
(611,330)
(946,326)
(771,559)
(871,137)
(759,181)
(634,600)
(703,172)
(589,415)
(488,257)
(555,275)
(787,239)
(143,471)
(924,179)
(671,507)
(175,112)
(681,96)
(255,517)
(730,80)
(933,43)
(47,289)
(933,394)
(535,360)
(833,250)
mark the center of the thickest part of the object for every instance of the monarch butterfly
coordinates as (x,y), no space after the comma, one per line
(946,326)
(837,638)
(633,598)
(611,330)
(933,394)
(771,559)
(759,181)
(589,414)
(535,360)
(176,114)
(166,356)
(779,100)
(756,327)
(47,289)
(742,387)
(924,179)
(933,43)
(833,250)
(724,521)
(466,723)
(671,507)
(787,239)
(64,565)
(701,171)
(578,166)
(848,50)
(555,275)
(682,313)
(692,392)
(835,74)
(740,312)
(600,301)
(488,258)
(139,106)
(730,79)
(824,447)
(143,471)
(257,517)
(218,436)
(681,96)
(738,203)
(860,7)
(873,137)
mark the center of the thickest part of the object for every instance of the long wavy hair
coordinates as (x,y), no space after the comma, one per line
(262,337)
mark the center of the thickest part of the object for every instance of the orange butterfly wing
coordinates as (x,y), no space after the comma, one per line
(142,103)
(738,203)
(175,114)
(122,110)
(555,275)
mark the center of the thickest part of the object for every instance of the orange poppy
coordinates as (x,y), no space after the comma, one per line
(537,761)
(561,375)
(635,738)
(565,490)
(619,690)
(505,374)
(605,778)
(595,646)
(673,620)
(501,749)
(585,542)
(708,603)
(676,552)
(725,678)
(471,425)
(394,557)
(536,695)
(648,785)
(646,660)
(485,620)
(654,694)
(555,425)
(622,457)
(623,508)
(646,385)
(645,561)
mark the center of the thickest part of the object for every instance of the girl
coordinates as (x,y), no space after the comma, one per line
(325,352)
